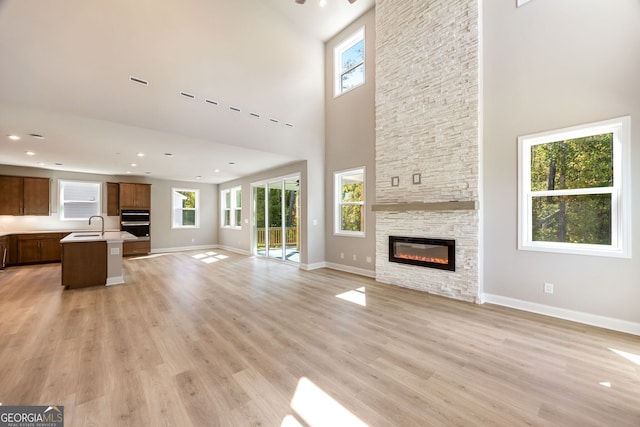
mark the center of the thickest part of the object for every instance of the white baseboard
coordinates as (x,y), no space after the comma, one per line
(313,266)
(349,269)
(183,248)
(235,250)
(563,313)
(115,280)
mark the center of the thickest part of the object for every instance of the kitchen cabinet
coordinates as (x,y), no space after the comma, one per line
(4,251)
(113,199)
(136,248)
(24,195)
(39,247)
(135,196)
(84,264)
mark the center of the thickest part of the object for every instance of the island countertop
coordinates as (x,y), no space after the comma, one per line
(108,236)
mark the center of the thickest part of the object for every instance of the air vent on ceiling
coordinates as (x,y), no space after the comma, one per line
(274,120)
(138,80)
(256,115)
(289,125)
(232,108)
(210,101)
(188,95)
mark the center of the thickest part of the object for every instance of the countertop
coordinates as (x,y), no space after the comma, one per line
(92,236)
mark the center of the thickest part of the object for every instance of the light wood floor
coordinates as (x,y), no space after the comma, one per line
(244,341)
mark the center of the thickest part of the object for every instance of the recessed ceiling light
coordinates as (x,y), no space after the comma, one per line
(128,172)
(140,154)
(36,135)
(13,137)
(133,165)
(217,170)
(30,153)
(198,177)
(40,164)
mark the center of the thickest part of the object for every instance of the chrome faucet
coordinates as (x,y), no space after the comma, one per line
(98,216)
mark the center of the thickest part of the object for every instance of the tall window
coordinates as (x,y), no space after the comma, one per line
(574,190)
(79,200)
(349,202)
(232,207)
(185,208)
(349,63)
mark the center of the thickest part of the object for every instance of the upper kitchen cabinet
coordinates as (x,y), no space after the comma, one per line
(135,196)
(24,195)
(113,199)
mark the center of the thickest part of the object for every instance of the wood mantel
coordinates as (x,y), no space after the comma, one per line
(466,205)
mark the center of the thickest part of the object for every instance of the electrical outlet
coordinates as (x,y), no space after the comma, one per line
(354,257)
(193,240)
(341,255)
(548,288)
(115,251)
(369,259)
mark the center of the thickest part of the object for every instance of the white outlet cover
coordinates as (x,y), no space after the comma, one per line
(115,251)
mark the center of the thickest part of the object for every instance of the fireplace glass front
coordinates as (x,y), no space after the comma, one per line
(424,252)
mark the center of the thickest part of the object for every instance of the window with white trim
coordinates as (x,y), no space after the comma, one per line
(232,207)
(79,200)
(185,208)
(349,63)
(574,190)
(349,196)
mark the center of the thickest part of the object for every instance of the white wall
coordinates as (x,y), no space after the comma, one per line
(548,65)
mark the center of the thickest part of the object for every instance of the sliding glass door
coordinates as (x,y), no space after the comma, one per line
(275,219)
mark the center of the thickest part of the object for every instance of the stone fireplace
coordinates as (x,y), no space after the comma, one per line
(427,139)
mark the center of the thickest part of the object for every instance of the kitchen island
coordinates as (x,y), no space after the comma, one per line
(93,259)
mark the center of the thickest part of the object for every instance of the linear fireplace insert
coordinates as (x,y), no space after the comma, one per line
(425,252)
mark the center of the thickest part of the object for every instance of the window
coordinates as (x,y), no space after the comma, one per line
(349,63)
(574,190)
(79,200)
(232,208)
(185,204)
(349,202)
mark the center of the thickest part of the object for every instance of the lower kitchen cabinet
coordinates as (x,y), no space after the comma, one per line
(136,248)
(84,264)
(40,247)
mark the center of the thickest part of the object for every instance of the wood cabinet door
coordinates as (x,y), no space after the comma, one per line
(143,196)
(50,250)
(113,199)
(28,251)
(36,196)
(10,195)
(127,196)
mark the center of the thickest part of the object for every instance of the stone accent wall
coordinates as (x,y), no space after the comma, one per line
(427,114)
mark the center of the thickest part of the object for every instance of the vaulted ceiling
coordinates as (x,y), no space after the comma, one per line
(233,86)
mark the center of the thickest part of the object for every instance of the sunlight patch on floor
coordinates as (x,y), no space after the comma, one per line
(356,296)
(318,409)
(147,256)
(210,257)
(635,358)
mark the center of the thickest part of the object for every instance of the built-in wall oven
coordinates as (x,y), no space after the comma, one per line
(136,222)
